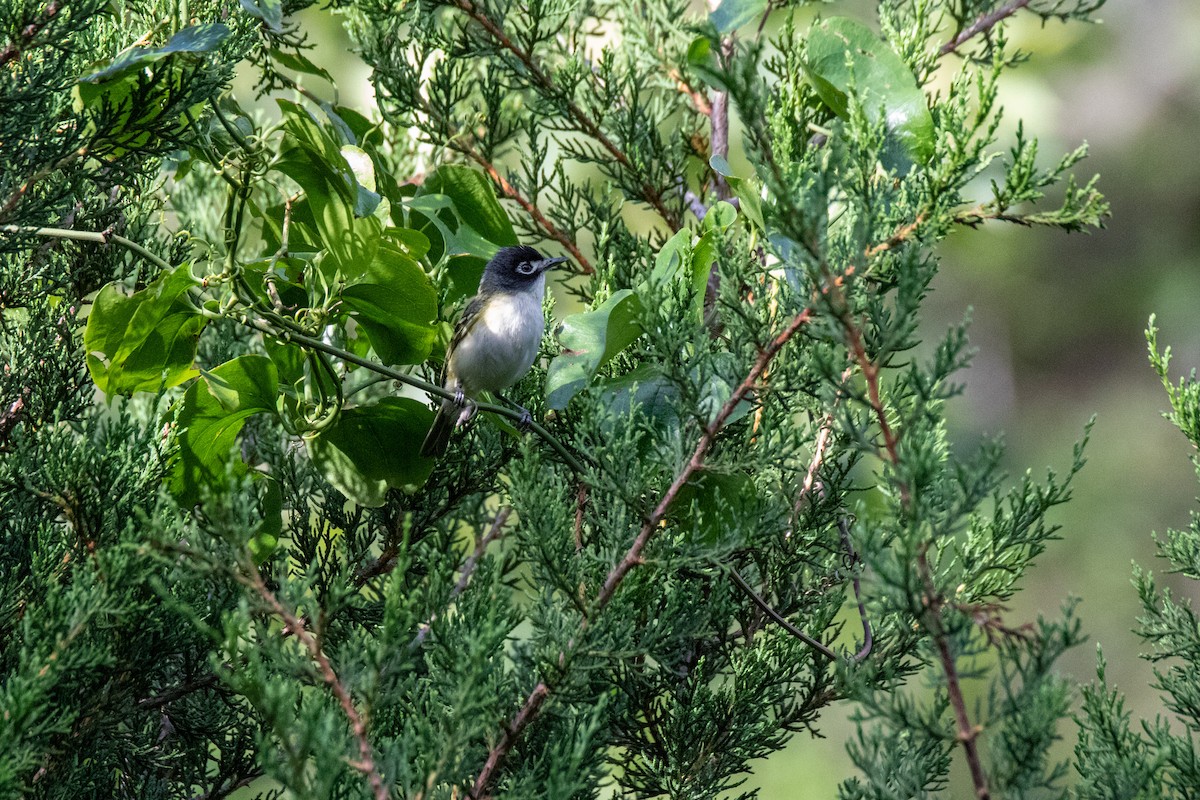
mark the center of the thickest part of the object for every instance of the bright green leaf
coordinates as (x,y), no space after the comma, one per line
(746,191)
(396,305)
(733,14)
(590,339)
(372,448)
(266,537)
(475,202)
(671,257)
(841,54)
(720,216)
(144,341)
(269,11)
(211,414)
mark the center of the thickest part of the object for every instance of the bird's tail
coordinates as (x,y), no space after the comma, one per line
(439,433)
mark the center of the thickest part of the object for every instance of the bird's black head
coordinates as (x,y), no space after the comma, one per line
(515,268)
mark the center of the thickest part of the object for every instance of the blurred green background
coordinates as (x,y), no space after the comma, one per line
(1057,322)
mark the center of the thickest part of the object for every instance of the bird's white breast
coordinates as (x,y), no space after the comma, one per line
(501,345)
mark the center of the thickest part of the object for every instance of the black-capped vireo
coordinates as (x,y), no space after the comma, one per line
(496,339)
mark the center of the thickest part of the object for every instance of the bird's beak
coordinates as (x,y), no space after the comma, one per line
(549,263)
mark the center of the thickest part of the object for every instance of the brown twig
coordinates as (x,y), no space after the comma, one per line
(13,49)
(967,733)
(741,583)
(508,738)
(468,569)
(366,761)
(460,142)
(633,556)
(982,25)
(510,191)
(49,169)
(586,124)
(182,690)
(902,235)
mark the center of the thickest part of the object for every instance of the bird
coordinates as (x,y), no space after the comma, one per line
(496,338)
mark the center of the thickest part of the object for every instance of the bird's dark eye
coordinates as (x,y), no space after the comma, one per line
(526,268)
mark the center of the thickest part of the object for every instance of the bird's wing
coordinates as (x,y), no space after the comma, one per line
(466,321)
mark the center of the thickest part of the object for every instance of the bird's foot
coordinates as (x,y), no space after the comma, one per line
(469,407)
(525,420)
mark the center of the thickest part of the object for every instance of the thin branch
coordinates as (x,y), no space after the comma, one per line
(468,569)
(967,733)
(852,556)
(510,191)
(633,556)
(508,738)
(220,792)
(585,122)
(288,334)
(366,760)
(741,583)
(179,691)
(982,25)
(98,237)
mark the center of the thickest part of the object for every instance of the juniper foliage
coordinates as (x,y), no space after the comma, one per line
(738,505)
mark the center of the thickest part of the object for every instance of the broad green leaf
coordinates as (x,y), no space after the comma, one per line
(415,243)
(712,504)
(194,39)
(720,216)
(841,54)
(298,62)
(474,201)
(705,253)
(693,259)
(733,14)
(269,11)
(590,339)
(144,341)
(373,448)
(211,414)
(266,537)
(702,60)
(367,199)
(649,390)
(746,191)
(396,305)
(317,164)
(671,257)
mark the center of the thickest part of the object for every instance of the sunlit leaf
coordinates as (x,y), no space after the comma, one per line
(396,304)
(144,341)
(591,338)
(746,191)
(733,14)
(211,414)
(844,55)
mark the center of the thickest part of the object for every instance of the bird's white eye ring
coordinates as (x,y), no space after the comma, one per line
(525,268)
